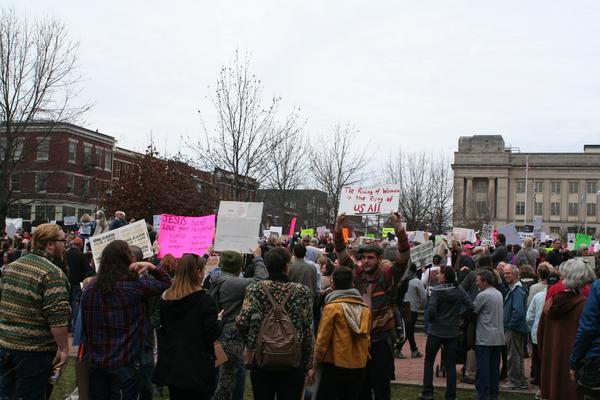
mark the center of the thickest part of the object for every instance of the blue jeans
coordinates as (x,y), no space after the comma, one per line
(24,374)
(431,349)
(117,384)
(488,372)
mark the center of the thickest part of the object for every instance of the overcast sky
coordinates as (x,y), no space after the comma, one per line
(410,74)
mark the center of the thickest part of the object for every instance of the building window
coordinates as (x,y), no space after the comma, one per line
(71,184)
(82,211)
(41,182)
(554,208)
(481,208)
(591,187)
(520,208)
(85,189)
(15,182)
(573,187)
(43,149)
(108,160)
(520,186)
(98,157)
(87,154)
(538,208)
(19,211)
(72,152)
(68,212)
(573,209)
(591,209)
(45,212)
(555,230)
(591,232)
(117,172)
(556,187)
(539,186)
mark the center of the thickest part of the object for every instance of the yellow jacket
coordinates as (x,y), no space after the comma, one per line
(344,333)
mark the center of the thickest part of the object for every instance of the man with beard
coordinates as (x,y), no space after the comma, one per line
(34,315)
(377,283)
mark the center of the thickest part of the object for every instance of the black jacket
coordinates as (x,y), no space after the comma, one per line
(79,268)
(186,355)
(446,304)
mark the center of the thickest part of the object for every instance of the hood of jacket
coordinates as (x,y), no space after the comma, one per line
(447,292)
(563,303)
(353,309)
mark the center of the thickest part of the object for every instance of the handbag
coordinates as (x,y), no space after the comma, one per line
(588,377)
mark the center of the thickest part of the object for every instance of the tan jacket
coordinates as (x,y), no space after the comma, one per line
(344,333)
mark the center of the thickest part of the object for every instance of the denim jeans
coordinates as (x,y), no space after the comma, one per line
(117,384)
(431,349)
(24,374)
(488,372)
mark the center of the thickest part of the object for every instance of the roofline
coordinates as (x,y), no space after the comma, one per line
(56,126)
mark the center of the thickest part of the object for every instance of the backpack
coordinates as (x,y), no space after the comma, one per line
(277,345)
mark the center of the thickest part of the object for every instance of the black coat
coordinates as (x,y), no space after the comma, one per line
(79,268)
(186,355)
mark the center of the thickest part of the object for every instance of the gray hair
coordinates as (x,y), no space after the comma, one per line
(583,248)
(577,272)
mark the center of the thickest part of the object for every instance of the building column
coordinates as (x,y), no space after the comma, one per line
(470,206)
(492,197)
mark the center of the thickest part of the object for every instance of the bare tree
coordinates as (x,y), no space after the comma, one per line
(38,82)
(426,189)
(247,131)
(334,164)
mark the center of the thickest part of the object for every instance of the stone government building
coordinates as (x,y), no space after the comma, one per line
(490,185)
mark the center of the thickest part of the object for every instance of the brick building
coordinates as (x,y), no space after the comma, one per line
(308,205)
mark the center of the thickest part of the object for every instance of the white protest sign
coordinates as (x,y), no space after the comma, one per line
(156,222)
(487,235)
(510,233)
(135,234)
(70,220)
(357,200)
(12,226)
(276,229)
(321,231)
(422,254)
(238,224)
(537,223)
(571,237)
(463,234)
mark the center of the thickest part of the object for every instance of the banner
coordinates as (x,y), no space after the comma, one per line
(580,239)
(463,234)
(292,226)
(510,233)
(12,226)
(70,221)
(310,232)
(238,224)
(180,235)
(135,234)
(422,254)
(356,200)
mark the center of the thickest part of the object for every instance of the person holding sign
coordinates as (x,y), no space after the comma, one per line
(377,284)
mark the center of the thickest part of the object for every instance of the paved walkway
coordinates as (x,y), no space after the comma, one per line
(410,370)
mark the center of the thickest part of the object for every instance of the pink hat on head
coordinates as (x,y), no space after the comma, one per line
(468,246)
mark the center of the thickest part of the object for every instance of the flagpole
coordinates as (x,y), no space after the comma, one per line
(526,175)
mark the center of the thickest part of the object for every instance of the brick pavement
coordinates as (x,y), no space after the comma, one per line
(410,370)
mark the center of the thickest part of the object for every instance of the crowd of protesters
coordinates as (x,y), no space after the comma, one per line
(307,316)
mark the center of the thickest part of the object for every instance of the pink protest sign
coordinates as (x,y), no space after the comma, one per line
(292,226)
(179,235)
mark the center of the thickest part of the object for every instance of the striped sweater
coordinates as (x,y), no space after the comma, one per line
(33,298)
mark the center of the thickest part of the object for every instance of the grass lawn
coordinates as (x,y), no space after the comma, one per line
(66,384)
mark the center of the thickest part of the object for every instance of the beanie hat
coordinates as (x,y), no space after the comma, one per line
(230,261)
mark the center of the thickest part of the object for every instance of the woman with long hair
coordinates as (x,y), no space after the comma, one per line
(114,311)
(189,327)
(101,224)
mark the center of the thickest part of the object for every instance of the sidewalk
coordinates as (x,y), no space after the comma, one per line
(410,370)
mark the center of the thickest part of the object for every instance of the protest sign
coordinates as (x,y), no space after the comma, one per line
(439,239)
(156,222)
(463,234)
(12,225)
(371,235)
(571,237)
(321,230)
(386,231)
(537,223)
(346,234)
(310,232)
(70,220)
(510,233)
(238,224)
(180,235)
(292,226)
(580,239)
(487,235)
(135,234)
(277,230)
(357,200)
(422,254)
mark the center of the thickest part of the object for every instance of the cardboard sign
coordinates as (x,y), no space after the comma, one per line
(310,232)
(357,200)
(510,233)
(70,221)
(238,224)
(463,234)
(422,254)
(135,234)
(580,239)
(12,226)
(292,226)
(180,235)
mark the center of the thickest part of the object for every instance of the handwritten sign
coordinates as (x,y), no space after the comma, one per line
(422,254)
(580,239)
(357,200)
(156,222)
(386,231)
(487,235)
(135,234)
(238,224)
(180,235)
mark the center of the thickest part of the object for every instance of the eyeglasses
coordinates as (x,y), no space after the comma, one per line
(61,240)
